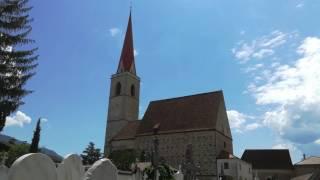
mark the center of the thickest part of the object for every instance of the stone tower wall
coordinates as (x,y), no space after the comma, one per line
(123,107)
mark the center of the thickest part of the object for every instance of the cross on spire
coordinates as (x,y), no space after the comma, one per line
(126,63)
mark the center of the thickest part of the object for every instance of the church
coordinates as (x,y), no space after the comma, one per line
(198,120)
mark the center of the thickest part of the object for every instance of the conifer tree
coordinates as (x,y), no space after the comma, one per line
(17,59)
(90,154)
(34,147)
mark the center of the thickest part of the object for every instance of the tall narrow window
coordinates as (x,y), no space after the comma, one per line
(118,89)
(133,90)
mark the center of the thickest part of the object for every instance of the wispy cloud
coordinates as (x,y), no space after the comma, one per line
(135,52)
(252,126)
(114,31)
(294,93)
(260,48)
(300,5)
(287,92)
(19,119)
(44,120)
(236,118)
(291,94)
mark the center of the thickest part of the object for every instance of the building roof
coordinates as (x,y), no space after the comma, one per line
(128,131)
(268,158)
(313,160)
(188,113)
(303,177)
(226,155)
(126,63)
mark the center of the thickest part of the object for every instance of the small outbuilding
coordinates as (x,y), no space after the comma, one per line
(269,164)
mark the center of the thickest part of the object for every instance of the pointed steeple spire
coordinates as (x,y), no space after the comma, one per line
(126,63)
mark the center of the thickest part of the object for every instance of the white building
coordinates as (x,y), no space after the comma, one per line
(231,167)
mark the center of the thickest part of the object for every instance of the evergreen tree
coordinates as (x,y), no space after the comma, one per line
(90,154)
(34,147)
(17,61)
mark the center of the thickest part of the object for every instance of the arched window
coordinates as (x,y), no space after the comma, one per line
(118,89)
(133,90)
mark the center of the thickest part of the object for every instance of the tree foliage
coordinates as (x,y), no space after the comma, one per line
(123,158)
(17,59)
(15,151)
(165,172)
(91,154)
(34,147)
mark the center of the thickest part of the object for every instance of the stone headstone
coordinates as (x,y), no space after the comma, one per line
(35,166)
(178,176)
(3,172)
(103,169)
(71,168)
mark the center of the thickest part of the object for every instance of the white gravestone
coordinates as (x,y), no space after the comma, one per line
(71,168)
(103,169)
(35,166)
(3,172)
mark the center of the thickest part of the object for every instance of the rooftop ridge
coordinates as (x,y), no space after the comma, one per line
(267,149)
(187,96)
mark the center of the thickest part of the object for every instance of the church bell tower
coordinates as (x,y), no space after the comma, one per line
(124,91)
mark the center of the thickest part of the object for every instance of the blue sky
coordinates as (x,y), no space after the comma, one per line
(264,55)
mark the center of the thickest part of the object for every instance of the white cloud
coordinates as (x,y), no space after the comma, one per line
(135,52)
(286,88)
(239,121)
(44,120)
(244,53)
(254,67)
(263,53)
(252,126)
(300,5)
(317,141)
(114,31)
(260,48)
(19,119)
(292,94)
(236,118)
(276,38)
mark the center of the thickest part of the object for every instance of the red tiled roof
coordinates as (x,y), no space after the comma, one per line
(195,112)
(268,158)
(126,62)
